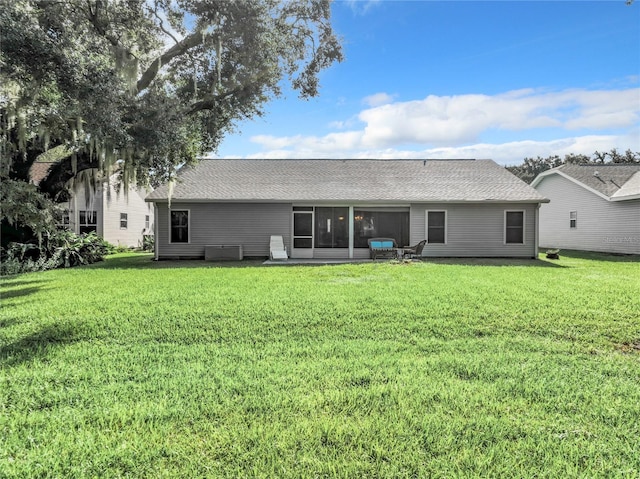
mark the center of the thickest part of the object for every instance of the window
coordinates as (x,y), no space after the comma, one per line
(88,221)
(380,223)
(332,228)
(146,222)
(436,227)
(573,219)
(514,227)
(124,220)
(63,219)
(179,226)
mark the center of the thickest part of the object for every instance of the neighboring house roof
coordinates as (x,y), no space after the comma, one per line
(611,182)
(630,188)
(39,170)
(347,180)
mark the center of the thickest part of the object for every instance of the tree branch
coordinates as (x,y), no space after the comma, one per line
(92,15)
(161,24)
(209,102)
(178,49)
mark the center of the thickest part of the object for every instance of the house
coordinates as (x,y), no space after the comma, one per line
(330,208)
(121,219)
(592,208)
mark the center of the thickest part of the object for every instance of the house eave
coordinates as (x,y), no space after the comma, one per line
(625,198)
(401,202)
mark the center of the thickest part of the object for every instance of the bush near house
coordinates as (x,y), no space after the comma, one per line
(61,249)
(445,368)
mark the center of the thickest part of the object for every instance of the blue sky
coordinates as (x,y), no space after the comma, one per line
(464,79)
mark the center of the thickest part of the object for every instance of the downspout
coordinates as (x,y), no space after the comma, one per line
(537,230)
(156,235)
(76,213)
(351,232)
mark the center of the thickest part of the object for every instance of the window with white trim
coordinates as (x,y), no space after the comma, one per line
(436,227)
(146,222)
(63,219)
(179,220)
(124,221)
(514,227)
(88,221)
(573,219)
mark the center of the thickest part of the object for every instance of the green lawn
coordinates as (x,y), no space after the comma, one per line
(447,368)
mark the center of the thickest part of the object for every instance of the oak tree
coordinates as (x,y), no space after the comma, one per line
(150,84)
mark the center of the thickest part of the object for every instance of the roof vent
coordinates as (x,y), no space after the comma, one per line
(596,174)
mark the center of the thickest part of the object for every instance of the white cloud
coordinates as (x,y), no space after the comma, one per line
(377,99)
(509,153)
(455,120)
(343,141)
(568,121)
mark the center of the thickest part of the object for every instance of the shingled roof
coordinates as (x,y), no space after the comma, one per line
(348,181)
(39,170)
(614,182)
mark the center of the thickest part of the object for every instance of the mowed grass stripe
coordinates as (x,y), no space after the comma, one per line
(447,368)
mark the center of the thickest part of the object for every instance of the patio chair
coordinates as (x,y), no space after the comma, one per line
(277,249)
(414,251)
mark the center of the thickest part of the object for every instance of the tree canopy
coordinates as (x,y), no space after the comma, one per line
(149,84)
(532,167)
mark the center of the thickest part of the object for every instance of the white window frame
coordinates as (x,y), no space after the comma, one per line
(147,221)
(94,215)
(63,221)
(446,225)
(124,220)
(573,217)
(188,226)
(524,227)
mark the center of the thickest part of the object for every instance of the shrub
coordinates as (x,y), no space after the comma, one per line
(74,249)
(62,249)
(148,242)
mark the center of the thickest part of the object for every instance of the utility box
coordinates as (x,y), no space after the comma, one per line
(223,252)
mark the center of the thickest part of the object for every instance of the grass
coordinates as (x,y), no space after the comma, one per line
(447,368)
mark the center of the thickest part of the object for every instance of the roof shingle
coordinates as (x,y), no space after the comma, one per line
(607,179)
(347,180)
(39,171)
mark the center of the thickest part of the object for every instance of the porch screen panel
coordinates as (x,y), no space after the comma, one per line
(332,227)
(380,223)
(302,229)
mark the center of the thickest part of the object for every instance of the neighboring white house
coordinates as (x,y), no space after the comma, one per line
(121,219)
(592,208)
(331,208)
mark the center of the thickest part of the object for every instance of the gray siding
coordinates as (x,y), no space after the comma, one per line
(246,224)
(475,230)
(602,225)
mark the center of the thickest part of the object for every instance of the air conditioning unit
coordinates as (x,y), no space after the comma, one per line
(223,252)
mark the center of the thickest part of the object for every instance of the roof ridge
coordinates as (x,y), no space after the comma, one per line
(344,159)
